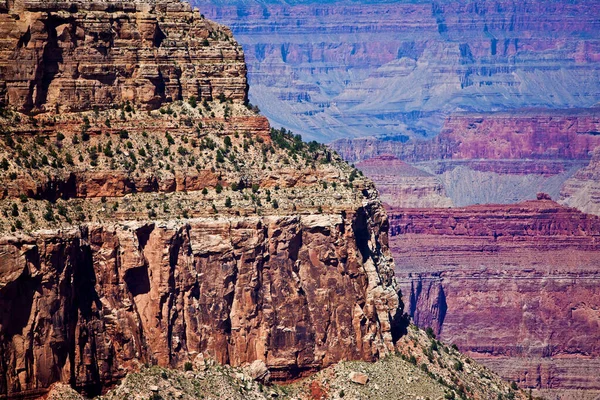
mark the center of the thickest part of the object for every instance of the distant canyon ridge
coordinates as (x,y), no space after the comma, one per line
(479,123)
(341,69)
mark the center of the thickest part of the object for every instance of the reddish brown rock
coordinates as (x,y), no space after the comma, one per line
(75,56)
(299,293)
(133,235)
(515,286)
(488,140)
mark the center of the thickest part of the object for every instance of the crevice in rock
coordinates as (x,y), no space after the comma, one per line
(48,67)
(159,36)
(24,39)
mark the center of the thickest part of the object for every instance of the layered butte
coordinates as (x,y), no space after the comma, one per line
(494,158)
(151,217)
(356,68)
(515,286)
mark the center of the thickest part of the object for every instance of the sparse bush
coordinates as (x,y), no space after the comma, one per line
(187,366)
(458,365)
(430,332)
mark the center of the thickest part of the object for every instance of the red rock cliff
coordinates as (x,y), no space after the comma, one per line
(134,235)
(515,286)
(76,55)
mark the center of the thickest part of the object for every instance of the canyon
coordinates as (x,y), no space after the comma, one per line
(343,69)
(532,266)
(498,158)
(469,116)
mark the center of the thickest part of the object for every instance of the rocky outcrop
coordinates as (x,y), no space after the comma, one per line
(355,68)
(79,55)
(532,266)
(143,227)
(401,185)
(487,141)
(88,305)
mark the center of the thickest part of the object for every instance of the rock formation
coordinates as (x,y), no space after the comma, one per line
(494,158)
(84,54)
(583,189)
(340,69)
(139,228)
(533,266)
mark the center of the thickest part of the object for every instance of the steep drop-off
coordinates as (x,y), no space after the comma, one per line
(341,69)
(154,229)
(515,286)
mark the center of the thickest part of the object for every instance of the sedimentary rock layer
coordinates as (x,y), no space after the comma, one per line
(494,158)
(149,215)
(79,55)
(532,267)
(533,135)
(583,189)
(355,68)
(88,305)
(401,185)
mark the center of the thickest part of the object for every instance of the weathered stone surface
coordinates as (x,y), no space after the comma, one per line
(583,189)
(518,137)
(78,55)
(514,286)
(358,377)
(259,371)
(189,232)
(297,293)
(494,158)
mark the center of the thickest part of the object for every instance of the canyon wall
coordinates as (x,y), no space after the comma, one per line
(533,266)
(492,158)
(401,185)
(351,69)
(96,54)
(88,305)
(170,228)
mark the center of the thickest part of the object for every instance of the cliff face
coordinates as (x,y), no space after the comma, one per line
(493,158)
(135,235)
(355,68)
(87,306)
(59,56)
(532,266)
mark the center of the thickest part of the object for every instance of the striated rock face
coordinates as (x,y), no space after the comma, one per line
(494,158)
(79,55)
(87,306)
(518,137)
(354,68)
(401,185)
(133,235)
(583,189)
(532,266)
